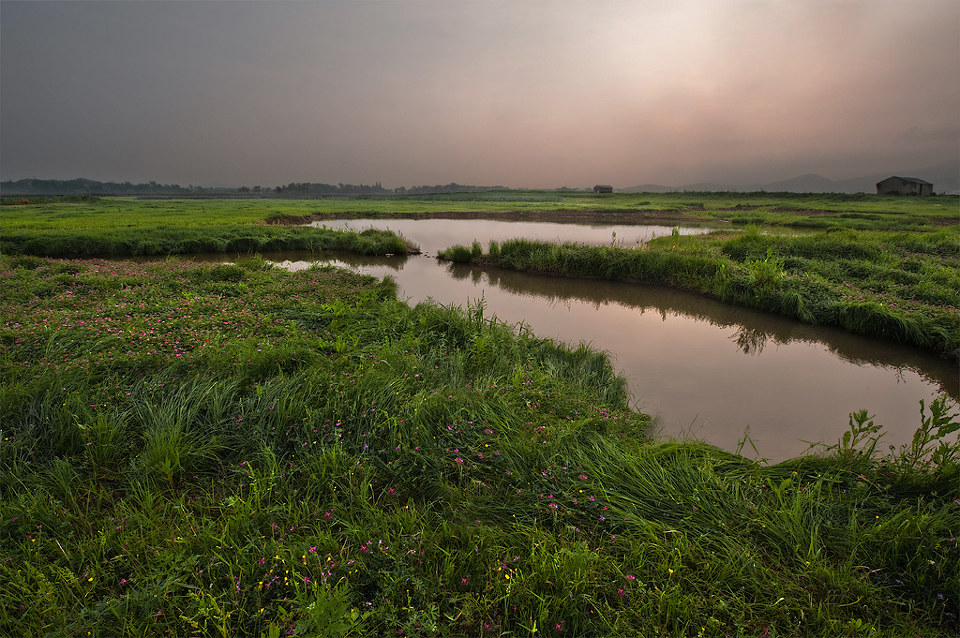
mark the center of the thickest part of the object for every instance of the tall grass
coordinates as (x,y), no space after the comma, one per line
(210,450)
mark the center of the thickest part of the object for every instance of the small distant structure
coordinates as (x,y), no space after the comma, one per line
(603,188)
(904,186)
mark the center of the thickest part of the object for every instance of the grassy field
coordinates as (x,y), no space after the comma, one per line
(231,449)
(128,227)
(786,209)
(226,450)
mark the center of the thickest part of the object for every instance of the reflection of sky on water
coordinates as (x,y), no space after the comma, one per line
(433,235)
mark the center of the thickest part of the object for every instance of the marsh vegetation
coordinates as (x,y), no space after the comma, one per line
(223,449)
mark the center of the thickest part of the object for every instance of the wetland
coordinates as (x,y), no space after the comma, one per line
(218,446)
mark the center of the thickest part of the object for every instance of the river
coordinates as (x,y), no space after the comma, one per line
(704,369)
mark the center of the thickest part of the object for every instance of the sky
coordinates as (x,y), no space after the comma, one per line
(526,94)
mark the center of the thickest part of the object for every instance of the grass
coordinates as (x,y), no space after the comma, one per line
(859,212)
(901,286)
(126,227)
(222,450)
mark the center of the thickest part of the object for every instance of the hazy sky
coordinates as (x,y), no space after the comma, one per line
(522,93)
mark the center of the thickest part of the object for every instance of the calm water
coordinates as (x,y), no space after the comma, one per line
(705,369)
(433,235)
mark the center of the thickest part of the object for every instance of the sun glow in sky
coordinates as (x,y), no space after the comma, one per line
(522,94)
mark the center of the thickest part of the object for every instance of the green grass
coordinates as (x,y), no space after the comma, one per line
(783,209)
(236,450)
(901,286)
(123,227)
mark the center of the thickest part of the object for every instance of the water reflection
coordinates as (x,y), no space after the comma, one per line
(433,235)
(752,330)
(300,259)
(751,341)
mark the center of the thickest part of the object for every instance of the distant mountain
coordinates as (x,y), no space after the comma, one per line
(648,188)
(809,183)
(945,178)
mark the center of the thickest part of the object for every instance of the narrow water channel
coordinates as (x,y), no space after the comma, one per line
(706,370)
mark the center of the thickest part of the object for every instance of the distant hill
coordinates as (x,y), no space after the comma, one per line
(649,188)
(809,183)
(945,178)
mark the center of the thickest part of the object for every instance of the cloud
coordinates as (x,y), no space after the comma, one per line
(523,94)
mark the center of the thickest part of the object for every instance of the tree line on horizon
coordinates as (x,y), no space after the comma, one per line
(82,186)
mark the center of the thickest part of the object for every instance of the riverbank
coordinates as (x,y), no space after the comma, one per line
(902,286)
(210,448)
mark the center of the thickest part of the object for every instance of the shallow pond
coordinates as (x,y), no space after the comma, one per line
(707,370)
